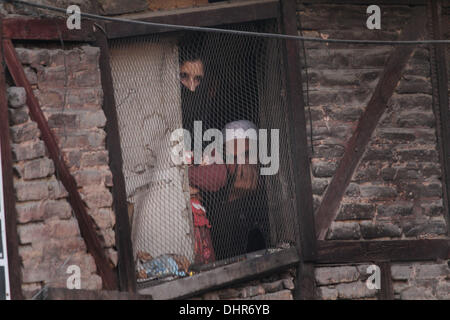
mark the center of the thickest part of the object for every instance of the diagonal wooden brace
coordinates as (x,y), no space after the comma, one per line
(396,63)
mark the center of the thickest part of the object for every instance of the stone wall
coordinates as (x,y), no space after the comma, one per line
(279,286)
(67,85)
(396,191)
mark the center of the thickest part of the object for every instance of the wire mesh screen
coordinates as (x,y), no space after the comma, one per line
(222,187)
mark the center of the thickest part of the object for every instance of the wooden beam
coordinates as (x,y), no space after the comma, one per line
(223,276)
(85,221)
(328,209)
(126,269)
(297,132)
(47,29)
(211,15)
(306,238)
(9,199)
(439,80)
(387,289)
(371,251)
(68,294)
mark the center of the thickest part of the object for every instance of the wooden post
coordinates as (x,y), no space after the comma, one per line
(440,99)
(306,242)
(12,238)
(126,270)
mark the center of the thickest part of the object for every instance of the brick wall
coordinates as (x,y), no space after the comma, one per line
(274,287)
(396,191)
(69,92)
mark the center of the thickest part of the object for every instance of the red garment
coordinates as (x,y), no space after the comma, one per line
(209,177)
(203,249)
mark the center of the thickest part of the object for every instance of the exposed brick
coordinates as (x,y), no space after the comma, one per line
(352,190)
(356,211)
(371,230)
(60,208)
(89,177)
(24,132)
(31,75)
(280,295)
(63,120)
(252,291)
(416,293)
(344,231)
(95,119)
(378,191)
(17,97)
(433,208)
(433,227)
(401,272)
(18,115)
(354,290)
(416,119)
(33,56)
(326,293)
(96,197)
(319,185)
(324,168)
(31,232)
(334,275)
(432,271)
(38,168)
(395,209)
(30,212)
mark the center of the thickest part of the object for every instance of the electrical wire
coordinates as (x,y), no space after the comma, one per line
(235,32)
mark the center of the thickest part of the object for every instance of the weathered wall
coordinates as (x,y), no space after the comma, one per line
(274,287)
(396,191)
(411,281)
(69,92)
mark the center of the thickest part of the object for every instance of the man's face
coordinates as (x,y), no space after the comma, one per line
(239,150)
(191,74)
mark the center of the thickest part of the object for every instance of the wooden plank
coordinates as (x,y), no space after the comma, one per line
(46,29)
(85,221)
(211,15)
(126,270)
(305,288)
(387,289)
(67,294)
(9,199)
(441,98)
(328,209)
(392,250)
(306,242)
(223,276)
(298,136)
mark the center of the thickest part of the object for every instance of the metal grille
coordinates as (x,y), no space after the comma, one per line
(187,215)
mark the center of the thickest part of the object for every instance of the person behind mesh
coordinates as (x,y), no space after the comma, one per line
(231,194)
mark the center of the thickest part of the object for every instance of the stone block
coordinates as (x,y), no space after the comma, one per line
(24,132)
(344,231)
(356,211)
(38,168)
(17,97)
(370,230)
(334,275)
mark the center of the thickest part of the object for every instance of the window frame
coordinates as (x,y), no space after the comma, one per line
(283,12)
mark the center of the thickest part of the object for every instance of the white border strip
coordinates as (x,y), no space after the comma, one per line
(4,259)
